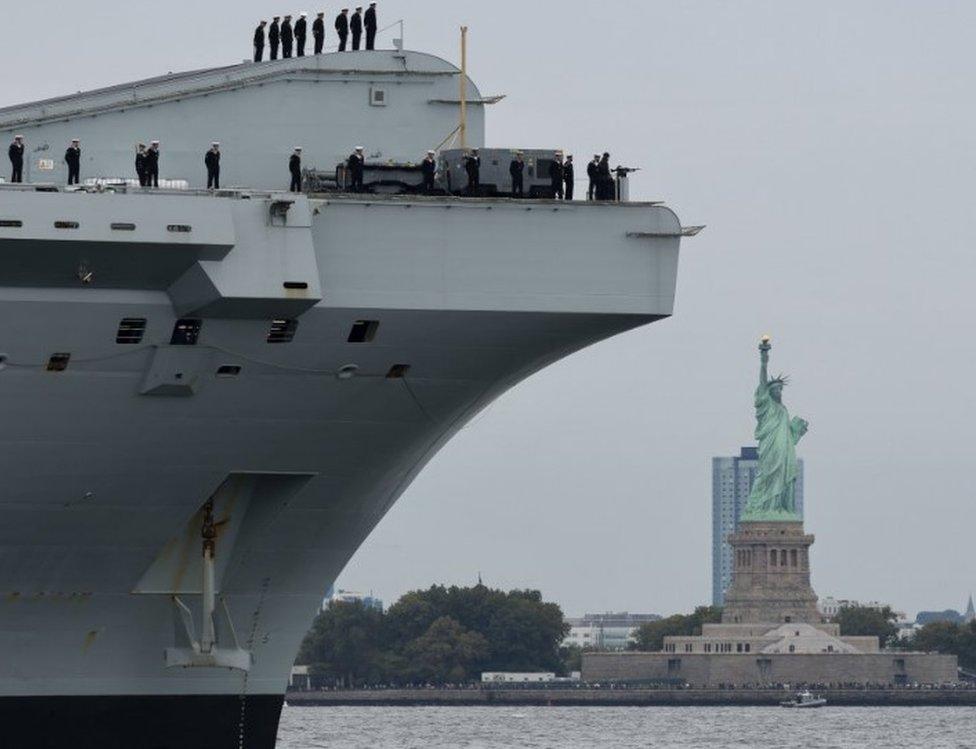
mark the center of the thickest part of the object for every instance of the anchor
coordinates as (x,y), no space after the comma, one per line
(216,628)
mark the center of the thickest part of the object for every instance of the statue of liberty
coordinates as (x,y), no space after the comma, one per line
(772,495)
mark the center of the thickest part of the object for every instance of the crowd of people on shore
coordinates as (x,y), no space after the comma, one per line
(645,686)
(288,38)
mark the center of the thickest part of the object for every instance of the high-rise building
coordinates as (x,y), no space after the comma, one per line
(732,479)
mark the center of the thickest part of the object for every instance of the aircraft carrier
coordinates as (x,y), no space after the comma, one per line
(209,399)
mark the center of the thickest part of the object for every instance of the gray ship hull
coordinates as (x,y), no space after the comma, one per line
(306,446)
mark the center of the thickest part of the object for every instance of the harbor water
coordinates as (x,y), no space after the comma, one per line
(584,727)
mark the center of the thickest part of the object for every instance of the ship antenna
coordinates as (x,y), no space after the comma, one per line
(463,126)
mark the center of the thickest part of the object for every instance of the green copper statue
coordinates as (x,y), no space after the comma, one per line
(772,495)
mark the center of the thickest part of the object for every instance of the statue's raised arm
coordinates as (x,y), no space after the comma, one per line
(764,348)
(772,495)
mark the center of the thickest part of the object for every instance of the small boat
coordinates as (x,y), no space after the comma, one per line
(804,699)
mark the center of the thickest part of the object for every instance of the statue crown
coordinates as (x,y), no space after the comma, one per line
(781,379)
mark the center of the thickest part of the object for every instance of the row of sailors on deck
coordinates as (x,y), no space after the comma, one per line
(561,170)
(282,35)
(562,176)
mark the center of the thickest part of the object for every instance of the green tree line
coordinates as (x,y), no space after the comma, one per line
(436,636)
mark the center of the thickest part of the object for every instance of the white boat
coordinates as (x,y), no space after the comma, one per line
(804,699)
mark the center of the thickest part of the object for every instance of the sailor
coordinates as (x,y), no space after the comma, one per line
(472,165)
(212,160)
(152,164)
(287,37)
(141,163)
(517,170)
(604,182)
(301,30)
(356,164)
(556,176)
(429,168)
(259,41)
(356,27)
(568,177)
(295,167)
(72,157)
(591,171)
(342,28)
(16,154)
(369,21)
(274,36)
(318,32)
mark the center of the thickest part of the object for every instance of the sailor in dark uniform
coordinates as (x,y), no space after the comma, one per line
(342,28)
(295,168)
(141,164)
(72,157)
(259,41)
(369,22)
(212,160)
(429,168)
(152,164)
(356,164)
(287,38)
(301,31)
(604,181)
(517,170)
(318,32)
(16,154)
(274,36)
(568,177)
(591,171)
(556,176)
(356,27)
(472,165)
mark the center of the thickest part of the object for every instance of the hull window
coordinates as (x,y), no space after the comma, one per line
(282,331)
(186,332)
(363,331)
(131,330)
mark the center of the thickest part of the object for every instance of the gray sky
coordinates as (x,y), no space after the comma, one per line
(829,148)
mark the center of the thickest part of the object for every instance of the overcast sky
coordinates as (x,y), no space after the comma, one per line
(828,146)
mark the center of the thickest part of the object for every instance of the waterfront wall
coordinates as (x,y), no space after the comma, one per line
(711,670)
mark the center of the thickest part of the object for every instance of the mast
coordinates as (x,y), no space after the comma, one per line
(463,127)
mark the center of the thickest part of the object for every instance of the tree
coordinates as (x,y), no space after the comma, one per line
(439,635)
(866,621)
(572,658)
(344,644)
(446,652)
(649,637)
(948,638)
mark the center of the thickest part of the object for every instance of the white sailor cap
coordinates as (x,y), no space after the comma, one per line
(298,148)
(154,143)
(18,137)
(431,152)
(303,14)
(359,148)
(215,143)
(76,140)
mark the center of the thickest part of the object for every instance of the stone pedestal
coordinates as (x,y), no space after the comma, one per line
(771,577)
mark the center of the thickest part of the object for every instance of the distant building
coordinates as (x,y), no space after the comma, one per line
(830,607)
(732,479)
(928,617)
(970,614)
(348,596)
(610,631)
